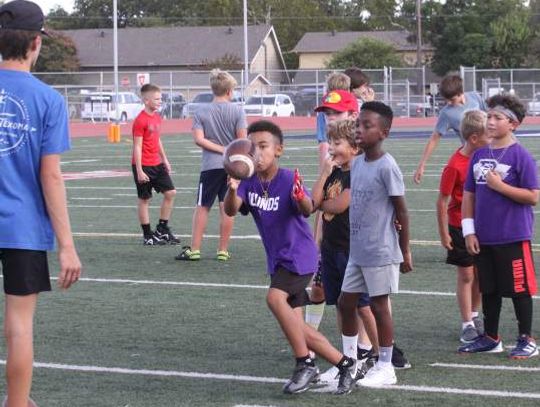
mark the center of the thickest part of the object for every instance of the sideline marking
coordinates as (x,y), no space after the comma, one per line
(269,380)
(486,367)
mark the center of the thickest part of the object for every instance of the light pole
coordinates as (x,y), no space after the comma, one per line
(246,56)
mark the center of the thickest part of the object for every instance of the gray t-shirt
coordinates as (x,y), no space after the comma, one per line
(374,239)
(450,116)
(219,122)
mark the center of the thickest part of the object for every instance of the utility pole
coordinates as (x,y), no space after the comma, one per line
(419,33)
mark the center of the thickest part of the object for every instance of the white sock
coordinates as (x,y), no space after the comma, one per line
(350,343)
(466,324)
(385,355)
(474,314)
(364,346)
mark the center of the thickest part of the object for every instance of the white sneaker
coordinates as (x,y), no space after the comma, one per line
(330,376)
(379,376)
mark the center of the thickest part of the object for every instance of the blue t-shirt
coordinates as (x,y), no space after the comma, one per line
(33,123)
(285,233)
(449,120)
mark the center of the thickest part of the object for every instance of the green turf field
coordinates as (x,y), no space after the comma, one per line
(142,329)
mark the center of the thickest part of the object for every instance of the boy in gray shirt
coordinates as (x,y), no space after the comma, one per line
(377,251)
(214,126)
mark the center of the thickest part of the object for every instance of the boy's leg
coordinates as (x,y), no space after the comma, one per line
(465,280)
(369,327)
(18,330)
(226,224)
(200,219)
(142,210)
(383,318)
(167,204)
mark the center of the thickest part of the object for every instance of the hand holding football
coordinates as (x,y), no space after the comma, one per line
(238,159)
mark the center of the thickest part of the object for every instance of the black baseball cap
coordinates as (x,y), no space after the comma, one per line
(22,15)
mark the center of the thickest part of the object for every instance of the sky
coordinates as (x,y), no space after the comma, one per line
(46,5)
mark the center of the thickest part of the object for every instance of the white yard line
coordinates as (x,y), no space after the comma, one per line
(486,367)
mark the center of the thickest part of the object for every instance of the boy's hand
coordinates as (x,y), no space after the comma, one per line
(446,242)
(494,180)
(328,166)
(167,165)
(406,266)
(298,187)
(397,225)
(367,94)
(419,173)
(70,267)
(233,183)
(142,177)
(471,242)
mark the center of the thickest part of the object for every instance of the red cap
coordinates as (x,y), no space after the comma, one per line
(340,101)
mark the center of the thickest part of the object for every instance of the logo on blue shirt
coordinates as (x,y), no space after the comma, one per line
(15,125)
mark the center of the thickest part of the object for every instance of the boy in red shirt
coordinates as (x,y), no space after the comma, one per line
(151,168)
(473,131)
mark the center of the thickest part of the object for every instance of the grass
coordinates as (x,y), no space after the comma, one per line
(140,309)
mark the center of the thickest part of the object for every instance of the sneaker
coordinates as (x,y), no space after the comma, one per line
(31,403)
(223,255)
(165,233)
(330,376)
(153,240)
(483,343)
(378,376)
(188,254)
(364,354)
(348,376)
(479,324)
(399,361)
(468,334)
(525,348)
(304,376)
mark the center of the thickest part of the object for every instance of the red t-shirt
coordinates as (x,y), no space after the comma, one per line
(452,182)
(148,127)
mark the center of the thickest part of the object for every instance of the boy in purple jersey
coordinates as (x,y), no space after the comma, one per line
(501,189)
(279,204)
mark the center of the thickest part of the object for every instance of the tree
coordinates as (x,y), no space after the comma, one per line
(58,54)
(226,62)
(511,37)
(366,53)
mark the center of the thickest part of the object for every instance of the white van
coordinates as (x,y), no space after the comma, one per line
(101,106)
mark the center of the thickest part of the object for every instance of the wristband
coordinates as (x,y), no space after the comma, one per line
(467,225)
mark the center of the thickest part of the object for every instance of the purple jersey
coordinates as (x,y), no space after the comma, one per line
(285,233)
(498,219)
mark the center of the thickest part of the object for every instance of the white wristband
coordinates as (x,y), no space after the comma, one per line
(467,225)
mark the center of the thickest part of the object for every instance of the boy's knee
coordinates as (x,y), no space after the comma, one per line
(171,193)
(346,304)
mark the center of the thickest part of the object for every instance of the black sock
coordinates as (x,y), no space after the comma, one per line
(345,362)
(147,231)
(491,306)
(163,222)
(523,307)
(306,360)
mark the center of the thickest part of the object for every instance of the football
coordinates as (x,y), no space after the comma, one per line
(238,159)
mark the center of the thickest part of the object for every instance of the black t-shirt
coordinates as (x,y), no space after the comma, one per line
(336,227)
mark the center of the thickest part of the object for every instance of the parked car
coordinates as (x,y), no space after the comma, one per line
(103,106)
(172,107)
(269,105)
(419,106)
(306,100)
(206,97)
(533,107)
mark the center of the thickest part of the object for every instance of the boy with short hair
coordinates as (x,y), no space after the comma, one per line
(473,130)
(360,85)
(32,193)
(279,204)
(498,222)
(378,252)
(449,119)
(151,169)
(215,125)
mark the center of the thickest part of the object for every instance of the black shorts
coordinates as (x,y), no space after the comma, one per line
(212,183)
(160,180)
(458,256)
(25,271)
(507,269)
(293,284)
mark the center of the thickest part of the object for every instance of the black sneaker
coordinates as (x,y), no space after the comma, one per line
(164,233)
(348,376)
(364,354)
(153,240)
(399,361)
(304,376)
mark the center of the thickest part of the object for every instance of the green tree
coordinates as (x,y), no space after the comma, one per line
(512,34)
(58,54)
(366,53)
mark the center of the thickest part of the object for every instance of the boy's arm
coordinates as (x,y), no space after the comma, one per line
(54,193)
(339,204)
(523,196)
(299,195)
(467,217)
(402,217)
(164,159)
(241,133)
(205,144)
(317,191)
(137,155)
(442,220)
(428,150)
(232,202)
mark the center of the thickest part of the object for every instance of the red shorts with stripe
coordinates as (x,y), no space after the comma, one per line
(507,269)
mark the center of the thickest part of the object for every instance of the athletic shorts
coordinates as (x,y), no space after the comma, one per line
(334,264)
(160,180)
(375,281)
(212,184)
(458,256)
(293,284)
(25,271)
(507,269)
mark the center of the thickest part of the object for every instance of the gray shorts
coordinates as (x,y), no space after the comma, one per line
(375,281)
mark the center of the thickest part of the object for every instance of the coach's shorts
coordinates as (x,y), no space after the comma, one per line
(375,281)
(334,264)
(458,256)
(293,284)
(25,271)
(212,183)
(507,269)
(160,180)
